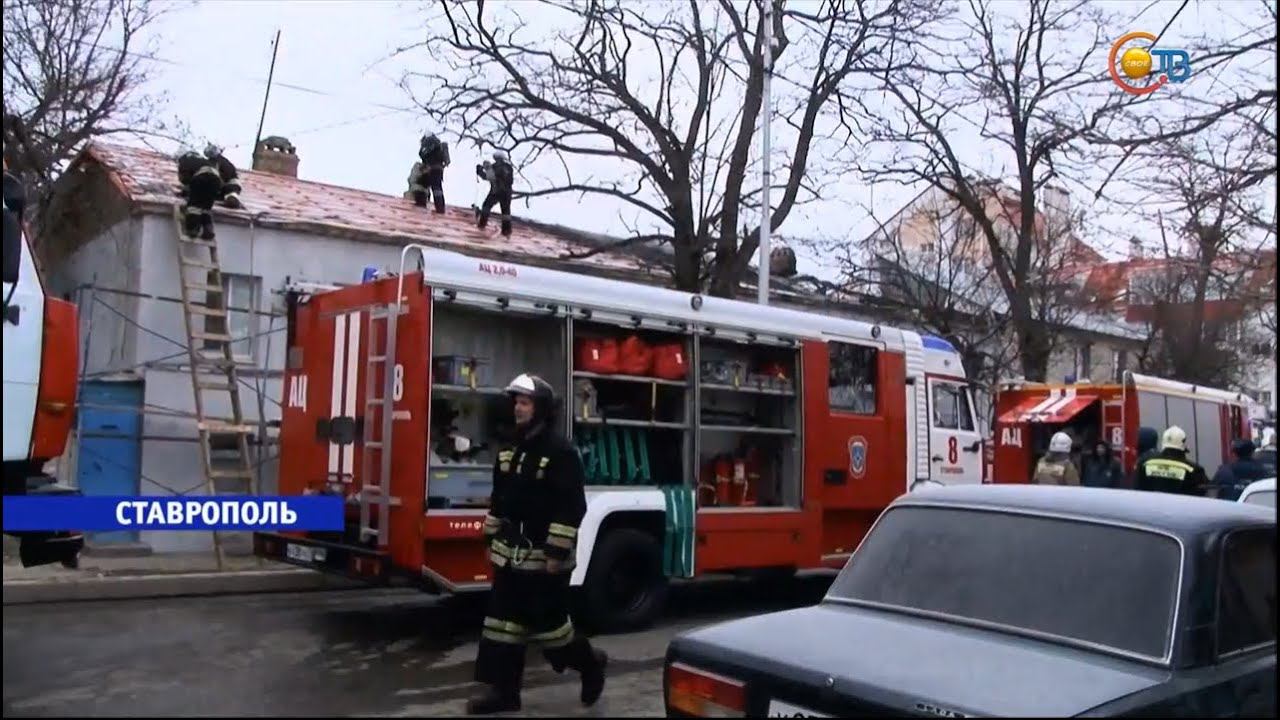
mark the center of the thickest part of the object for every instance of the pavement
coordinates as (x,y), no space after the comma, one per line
(104,577)
(372,653)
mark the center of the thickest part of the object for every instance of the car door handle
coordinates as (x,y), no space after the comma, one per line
(835,477)
(974,447)
(937,458)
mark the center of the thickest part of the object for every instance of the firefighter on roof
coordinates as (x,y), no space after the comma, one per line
(229,194)
(535,508)
(501,176)
(427,176)
(201,188)
(1171,470)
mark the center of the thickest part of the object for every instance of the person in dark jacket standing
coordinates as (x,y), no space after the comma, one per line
(1148,438)
(1233,477)
(1171,470)
(535,508)
(1101,468)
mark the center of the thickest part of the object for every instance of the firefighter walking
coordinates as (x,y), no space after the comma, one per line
(536,505)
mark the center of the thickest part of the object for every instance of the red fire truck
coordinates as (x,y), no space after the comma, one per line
(1028,414)
(717,435)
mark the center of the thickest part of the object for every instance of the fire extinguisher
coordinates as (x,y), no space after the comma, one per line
(751,477)
(724,478)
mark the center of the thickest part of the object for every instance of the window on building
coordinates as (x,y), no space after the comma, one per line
(1119,363)
(851,379)
(1247,591)
(1084,360)
(241,293)
(951,410)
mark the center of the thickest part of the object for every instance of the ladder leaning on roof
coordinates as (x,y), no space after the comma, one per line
(213,372)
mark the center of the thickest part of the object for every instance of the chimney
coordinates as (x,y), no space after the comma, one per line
(1056,200)
(275,154)
(1135,248)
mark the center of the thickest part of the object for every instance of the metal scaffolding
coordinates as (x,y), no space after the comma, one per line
(89,297)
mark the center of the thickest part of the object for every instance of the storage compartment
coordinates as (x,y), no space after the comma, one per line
(475,353)
(632,404)
(749,413)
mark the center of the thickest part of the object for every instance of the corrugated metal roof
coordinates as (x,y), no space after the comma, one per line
(150,179)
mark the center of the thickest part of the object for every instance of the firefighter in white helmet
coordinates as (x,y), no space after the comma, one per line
(1172,470)
(1056,468)
(535,508)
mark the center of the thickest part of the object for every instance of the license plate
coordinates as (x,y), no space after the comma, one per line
(303,553)
(777,708)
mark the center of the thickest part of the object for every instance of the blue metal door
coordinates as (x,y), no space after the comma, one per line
(110,455)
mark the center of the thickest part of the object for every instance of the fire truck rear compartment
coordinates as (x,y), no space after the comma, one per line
(474,354)
(1084,427)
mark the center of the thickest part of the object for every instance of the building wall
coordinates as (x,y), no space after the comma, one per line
(266,259)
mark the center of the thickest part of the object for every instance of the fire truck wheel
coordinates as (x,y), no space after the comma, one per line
(625,587)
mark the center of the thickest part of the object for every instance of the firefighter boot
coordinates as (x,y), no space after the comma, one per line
(420,198)
(593,677)
(490,699)
(206,224)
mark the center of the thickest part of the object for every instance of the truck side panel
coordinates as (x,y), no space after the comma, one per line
(327,406)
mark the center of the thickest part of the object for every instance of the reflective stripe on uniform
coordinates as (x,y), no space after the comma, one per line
(560,542)
(491,524)
(565,531)
(559,637)
(1167,469)
(503,631)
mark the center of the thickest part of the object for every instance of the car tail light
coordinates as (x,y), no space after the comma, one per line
(705,694)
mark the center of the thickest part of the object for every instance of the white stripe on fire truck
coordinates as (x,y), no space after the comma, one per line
(353,368)
(1067,397)
(1039,408)
(335,385)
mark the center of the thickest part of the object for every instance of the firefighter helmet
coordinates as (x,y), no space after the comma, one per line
(212,151)
(1060,443)
(1175,437)
(501,156)
(543,395)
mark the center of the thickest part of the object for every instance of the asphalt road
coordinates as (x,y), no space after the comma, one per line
(382,653)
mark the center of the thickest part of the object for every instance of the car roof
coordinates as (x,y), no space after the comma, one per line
(1259,486)
(1182,515)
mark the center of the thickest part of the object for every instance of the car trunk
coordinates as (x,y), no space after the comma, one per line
(845,661)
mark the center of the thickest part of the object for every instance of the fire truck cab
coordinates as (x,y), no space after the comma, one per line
(718,436)
(1028,414)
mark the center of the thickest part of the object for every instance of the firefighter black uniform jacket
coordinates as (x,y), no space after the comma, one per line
(537,502)
(1171,471)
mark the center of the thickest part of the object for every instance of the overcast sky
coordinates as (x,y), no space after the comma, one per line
(335,96)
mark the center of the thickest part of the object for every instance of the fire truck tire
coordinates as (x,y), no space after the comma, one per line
(625,588)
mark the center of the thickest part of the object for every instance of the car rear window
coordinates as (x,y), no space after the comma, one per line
(1085,581)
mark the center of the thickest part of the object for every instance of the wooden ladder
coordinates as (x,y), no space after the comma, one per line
(213,373)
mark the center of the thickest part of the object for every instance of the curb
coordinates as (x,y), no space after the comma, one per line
(25,592)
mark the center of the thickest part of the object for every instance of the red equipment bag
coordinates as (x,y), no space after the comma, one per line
(597,355)
(670,361)
(635,356)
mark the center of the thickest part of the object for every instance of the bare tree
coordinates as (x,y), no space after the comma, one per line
(1209,291)
(72,73)
(657,105)
(1023,83)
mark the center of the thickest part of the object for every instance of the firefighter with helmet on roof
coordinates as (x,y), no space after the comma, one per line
(536,505)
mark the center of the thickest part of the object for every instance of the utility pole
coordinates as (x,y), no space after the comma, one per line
(766,118)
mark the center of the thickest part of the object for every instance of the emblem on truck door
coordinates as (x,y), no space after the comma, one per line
(857,456)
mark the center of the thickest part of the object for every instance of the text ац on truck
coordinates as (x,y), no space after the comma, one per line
(718,436)
(41,359)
